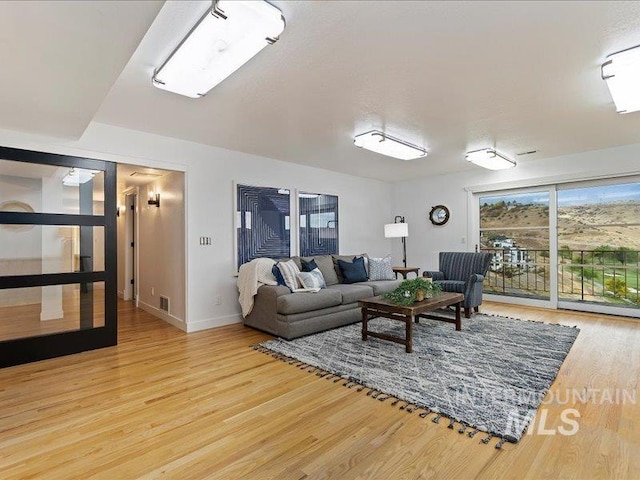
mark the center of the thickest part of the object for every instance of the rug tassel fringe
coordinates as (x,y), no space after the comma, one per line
(467,429)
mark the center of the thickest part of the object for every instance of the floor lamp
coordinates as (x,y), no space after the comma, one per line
(399,228)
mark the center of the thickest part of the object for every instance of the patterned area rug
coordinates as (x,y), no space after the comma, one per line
(489,377)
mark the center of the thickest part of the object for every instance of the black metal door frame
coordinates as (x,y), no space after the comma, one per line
(30,349)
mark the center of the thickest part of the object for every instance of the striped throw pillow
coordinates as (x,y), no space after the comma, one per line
(289,271)
(312,279)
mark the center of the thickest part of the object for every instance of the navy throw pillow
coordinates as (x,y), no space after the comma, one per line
(353,272)
(308,266)
(278,274)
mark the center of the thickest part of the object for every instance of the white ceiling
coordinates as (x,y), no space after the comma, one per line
(453,76)
(59,60)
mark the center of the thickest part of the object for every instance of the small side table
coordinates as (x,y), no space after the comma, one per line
(406,270)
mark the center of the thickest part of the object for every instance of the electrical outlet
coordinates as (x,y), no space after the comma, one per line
(218,300)
(153,291)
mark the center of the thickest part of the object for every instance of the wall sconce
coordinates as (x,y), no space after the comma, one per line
(118,209)
(154,199)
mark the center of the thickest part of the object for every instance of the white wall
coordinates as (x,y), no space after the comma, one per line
(415,198)
(161,236)
(210,172)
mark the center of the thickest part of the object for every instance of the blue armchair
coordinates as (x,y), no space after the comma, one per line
(462,272)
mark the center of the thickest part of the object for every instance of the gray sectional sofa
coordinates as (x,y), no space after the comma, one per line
(290,315)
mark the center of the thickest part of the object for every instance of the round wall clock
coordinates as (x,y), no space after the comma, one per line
(439,215)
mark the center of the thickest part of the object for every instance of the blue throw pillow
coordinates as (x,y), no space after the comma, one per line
(308,266)
(353,272)
(278,274)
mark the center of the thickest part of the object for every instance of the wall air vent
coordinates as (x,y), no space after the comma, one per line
(164,303)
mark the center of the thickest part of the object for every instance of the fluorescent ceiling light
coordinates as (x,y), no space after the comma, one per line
(224,39)
(489,158)
(622,74)
(76,176)
(386,145)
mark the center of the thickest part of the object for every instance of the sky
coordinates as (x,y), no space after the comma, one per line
(574,196)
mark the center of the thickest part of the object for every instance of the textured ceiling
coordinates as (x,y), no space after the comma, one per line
(59,60)
(452,76)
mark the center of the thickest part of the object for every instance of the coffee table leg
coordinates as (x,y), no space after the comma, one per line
(365,318)
(409,334)
(458,322)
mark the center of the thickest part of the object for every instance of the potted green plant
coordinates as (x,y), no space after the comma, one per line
(413,290)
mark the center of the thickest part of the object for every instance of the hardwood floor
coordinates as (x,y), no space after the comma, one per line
(205,405)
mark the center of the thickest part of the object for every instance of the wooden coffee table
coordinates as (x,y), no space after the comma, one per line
(377,307)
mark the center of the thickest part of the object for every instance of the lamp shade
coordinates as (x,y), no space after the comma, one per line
(394,230)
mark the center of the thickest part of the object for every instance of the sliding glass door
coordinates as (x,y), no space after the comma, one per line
(598,245)
(514,227)
(574,246)
(58,255)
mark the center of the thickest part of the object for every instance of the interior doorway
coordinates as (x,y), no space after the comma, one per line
(152,241)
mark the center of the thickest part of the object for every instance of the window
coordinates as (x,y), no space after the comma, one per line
(515,228)
(599,244)
(318,224)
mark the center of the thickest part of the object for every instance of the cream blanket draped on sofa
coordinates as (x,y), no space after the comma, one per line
(251,276)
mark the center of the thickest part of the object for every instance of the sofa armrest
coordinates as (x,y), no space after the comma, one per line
(433,275)
(265,306)
(476,277)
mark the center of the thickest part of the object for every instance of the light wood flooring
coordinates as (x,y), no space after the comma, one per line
(205,405)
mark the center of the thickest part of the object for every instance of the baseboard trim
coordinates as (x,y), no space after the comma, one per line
(213,323)
(170,319)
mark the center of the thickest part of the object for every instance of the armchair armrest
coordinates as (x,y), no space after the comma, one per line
(476,277)
(433,275)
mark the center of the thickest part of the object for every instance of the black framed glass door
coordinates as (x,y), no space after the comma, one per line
(57,255)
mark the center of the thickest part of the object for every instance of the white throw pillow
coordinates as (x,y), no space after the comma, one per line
(312,279)
(381,269)
(289,271)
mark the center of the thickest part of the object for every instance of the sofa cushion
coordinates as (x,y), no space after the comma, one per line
(325,265)
(382,286)
(289,271)
(352,293)
(381,269)
(456,286)
(353,272)
(304,302)
(309,265)
(347,258)
(279,278)
(312,279)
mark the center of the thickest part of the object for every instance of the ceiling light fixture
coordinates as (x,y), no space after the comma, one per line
(384,144)
(621,71)
(77,176)
(223,40)
(489,158)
